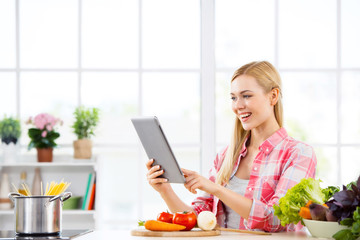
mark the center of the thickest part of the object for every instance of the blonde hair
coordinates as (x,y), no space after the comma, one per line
(268,78)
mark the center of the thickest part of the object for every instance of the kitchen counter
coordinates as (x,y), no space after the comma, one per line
(125,234)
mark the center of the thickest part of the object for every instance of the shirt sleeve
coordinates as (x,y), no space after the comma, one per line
(301,164)
(205,201)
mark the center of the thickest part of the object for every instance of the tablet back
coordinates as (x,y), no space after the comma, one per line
(157,147)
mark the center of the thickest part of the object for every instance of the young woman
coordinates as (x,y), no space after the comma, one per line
(257,168)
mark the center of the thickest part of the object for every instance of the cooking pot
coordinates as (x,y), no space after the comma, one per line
(38,214)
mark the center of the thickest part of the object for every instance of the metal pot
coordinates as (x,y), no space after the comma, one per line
(38,214)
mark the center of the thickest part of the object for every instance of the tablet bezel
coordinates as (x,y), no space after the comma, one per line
(157,147)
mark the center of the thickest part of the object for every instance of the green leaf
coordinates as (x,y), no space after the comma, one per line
(347,222)
(34,133)
(344,234)
(329,192)
(356,215)
(37,141)
(52,135)
(141,223)
(349,186)
(31,145)
(356,228)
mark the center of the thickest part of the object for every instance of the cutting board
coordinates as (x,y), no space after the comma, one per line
(196,232)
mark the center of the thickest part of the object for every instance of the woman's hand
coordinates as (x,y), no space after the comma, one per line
(152,176)
(195,181)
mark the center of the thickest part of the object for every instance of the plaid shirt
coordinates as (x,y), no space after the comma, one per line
(281,163)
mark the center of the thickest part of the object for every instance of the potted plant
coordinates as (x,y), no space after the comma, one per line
(86,120)
(43,135)
(10,132)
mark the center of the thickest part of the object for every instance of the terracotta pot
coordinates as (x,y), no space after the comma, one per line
(44,154)
(83,149)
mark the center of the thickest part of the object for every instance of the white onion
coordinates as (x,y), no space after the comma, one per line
(206,220)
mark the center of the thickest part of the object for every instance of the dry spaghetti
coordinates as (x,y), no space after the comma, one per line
(52,189)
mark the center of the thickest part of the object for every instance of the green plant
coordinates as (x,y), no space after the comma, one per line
(86,119)
(10,130)
(44,134)
(354,224)
(296,197)
(345,206)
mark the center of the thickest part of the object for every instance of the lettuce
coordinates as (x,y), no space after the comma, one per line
(330,191)
(296,197)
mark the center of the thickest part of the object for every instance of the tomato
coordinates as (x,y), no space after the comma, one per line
(165,217)
(187,219)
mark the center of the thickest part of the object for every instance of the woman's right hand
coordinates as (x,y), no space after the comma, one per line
(159,184)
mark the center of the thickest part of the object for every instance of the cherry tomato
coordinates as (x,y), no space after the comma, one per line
(187,219)
(165,217)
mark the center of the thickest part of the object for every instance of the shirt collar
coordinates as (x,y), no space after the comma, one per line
(243,150)
(242,154)
(268,145)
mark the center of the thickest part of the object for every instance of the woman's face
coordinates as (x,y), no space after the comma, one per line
(249,102)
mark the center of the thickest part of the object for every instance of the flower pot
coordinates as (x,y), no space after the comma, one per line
(83,149)
(44,154)
(9,152)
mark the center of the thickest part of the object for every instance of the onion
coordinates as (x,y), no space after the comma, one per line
(206,220)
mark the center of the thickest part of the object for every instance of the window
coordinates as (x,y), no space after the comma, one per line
(316,57)
(128,58)
(146,57)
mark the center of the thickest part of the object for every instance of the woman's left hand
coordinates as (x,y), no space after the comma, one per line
(195,181)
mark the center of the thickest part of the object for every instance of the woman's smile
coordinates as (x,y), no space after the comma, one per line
(244,116)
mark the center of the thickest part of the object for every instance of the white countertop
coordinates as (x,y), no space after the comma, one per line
(125,234)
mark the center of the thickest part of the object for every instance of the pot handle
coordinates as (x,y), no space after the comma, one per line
(66,196)
(63,197)
(12,195)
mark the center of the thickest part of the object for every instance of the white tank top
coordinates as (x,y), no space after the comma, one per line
(239,186)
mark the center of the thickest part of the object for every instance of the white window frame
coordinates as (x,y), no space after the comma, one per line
(207,72)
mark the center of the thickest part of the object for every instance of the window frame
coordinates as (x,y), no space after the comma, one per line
(207,73)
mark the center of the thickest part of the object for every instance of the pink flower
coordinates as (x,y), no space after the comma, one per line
(49,127)
(40,120)
(45,121)
(43,134)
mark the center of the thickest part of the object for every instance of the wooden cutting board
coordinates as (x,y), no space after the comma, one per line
(196,232)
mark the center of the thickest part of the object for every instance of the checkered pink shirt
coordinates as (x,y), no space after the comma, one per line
(281,163)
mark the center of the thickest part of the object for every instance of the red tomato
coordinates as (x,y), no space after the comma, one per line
(187,219)
(165,217)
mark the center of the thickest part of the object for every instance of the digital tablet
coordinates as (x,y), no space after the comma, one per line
(157,147)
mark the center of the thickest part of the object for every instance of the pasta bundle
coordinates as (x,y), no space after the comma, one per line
(52,189)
